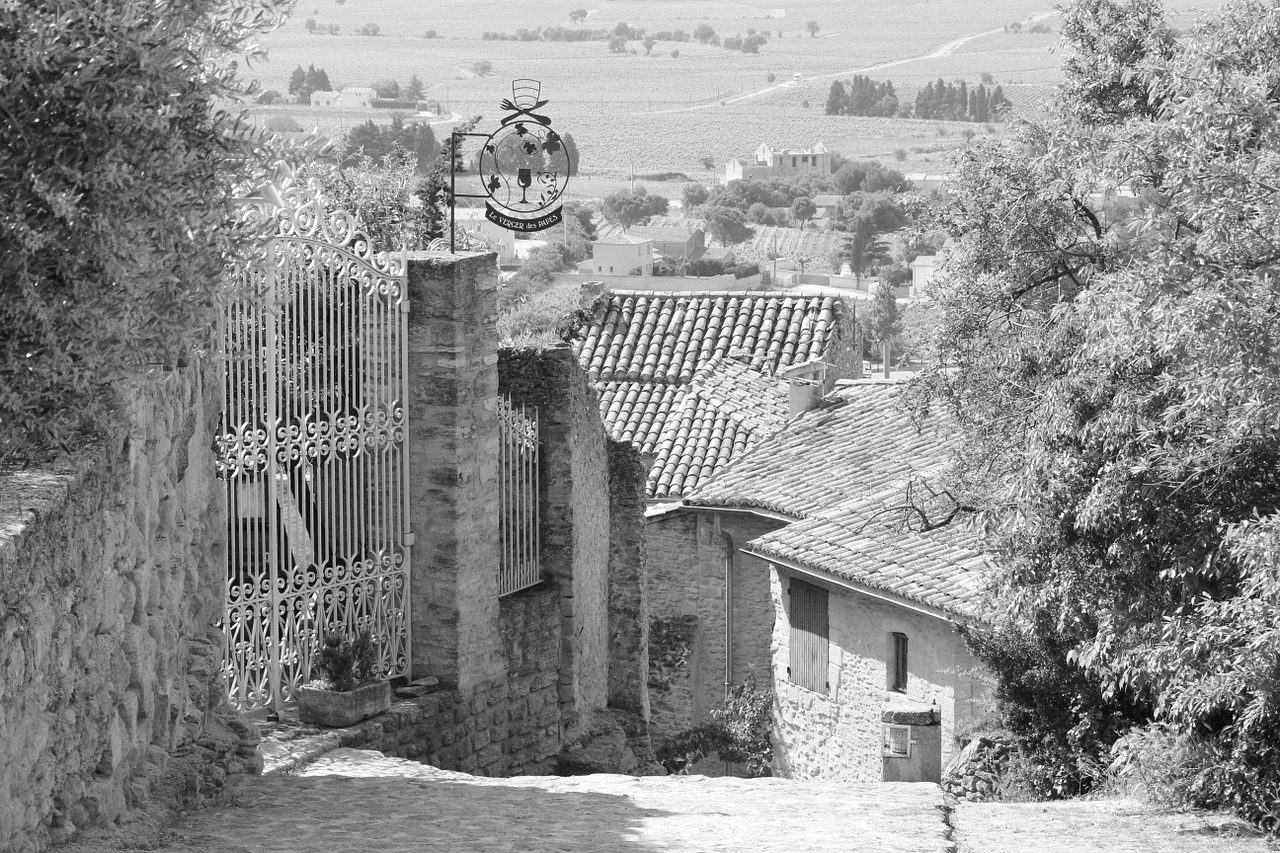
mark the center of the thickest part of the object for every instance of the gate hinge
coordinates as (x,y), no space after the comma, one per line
(407,540)
(404,306)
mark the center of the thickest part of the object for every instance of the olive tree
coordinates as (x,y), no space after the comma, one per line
(121,156)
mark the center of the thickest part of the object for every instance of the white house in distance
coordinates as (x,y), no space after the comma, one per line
(352,97)
(921,274)
(621,254)
(780,163)
(473,222)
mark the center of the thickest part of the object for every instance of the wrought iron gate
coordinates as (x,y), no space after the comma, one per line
(312,453)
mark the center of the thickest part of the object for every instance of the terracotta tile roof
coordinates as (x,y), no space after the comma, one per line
(727,410)
(657,337)
(635,412)
(840,470)
(865,542)
(643,350)
(858,443)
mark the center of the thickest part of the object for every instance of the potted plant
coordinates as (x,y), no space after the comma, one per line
(348,689)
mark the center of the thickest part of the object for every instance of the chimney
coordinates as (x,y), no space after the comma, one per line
(804,394)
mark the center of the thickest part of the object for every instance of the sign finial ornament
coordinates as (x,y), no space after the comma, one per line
(524,165)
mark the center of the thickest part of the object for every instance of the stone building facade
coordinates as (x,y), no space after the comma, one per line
(112,576)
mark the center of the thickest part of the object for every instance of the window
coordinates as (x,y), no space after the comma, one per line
(897,741)
(809,635)
(793,162)
(898,676)
(804,158)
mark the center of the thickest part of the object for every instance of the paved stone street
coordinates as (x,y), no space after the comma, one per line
(359,801)
(354,801)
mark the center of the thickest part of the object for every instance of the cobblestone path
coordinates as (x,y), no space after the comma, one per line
(356,801)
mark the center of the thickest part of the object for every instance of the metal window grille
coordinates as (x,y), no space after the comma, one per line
(809,635)
(312,452)
(520,567)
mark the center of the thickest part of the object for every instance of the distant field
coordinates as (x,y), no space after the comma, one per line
(658,113)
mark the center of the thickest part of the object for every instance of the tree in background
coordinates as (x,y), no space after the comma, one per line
(837,100)
(866,217)
(388,90)
(626,208)
(571,149)
(122,154)
(704,33)
(649,42)
(726,225)
(803,209)
(813,28)
(378,141)
(1116,391)
(882,323)
(414,91)
(577,15)
(692,196)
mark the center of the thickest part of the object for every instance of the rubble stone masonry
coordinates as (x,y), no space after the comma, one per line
(111,578)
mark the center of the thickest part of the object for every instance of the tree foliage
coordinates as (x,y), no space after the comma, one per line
(120,162)
(377,141)
(626,208)
(1116,380)
(862,96)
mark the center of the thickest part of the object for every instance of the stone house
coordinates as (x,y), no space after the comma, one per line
(673,241)
(792,563)
(780,163)
(621,254)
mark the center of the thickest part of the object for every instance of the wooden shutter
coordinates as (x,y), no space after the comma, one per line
(809,635)
(899,661)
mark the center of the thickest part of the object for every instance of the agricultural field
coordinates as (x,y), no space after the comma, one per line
(654,113)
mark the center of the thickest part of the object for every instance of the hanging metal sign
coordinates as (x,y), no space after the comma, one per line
(524,165)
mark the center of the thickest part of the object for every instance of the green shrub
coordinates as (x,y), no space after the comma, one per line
(346,663)
(1062,719)
(120,160)
(738,733)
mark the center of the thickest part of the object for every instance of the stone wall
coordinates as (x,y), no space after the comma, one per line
(687,554)
(111,577)
(839,736)
(591,522)
(512,725)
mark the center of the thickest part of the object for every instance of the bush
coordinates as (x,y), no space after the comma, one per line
(283,124)
(346,664)
(115,188)
(738,733)
(1063,721)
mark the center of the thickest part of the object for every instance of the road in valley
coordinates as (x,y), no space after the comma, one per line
(943,50)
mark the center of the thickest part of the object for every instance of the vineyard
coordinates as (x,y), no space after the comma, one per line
(814,247)
(658,112)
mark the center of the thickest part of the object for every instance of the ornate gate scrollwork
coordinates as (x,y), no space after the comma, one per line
(312,452)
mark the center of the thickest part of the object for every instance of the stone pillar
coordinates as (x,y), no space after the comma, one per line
(453,467)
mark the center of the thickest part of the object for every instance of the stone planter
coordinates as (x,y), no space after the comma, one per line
(334,709)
